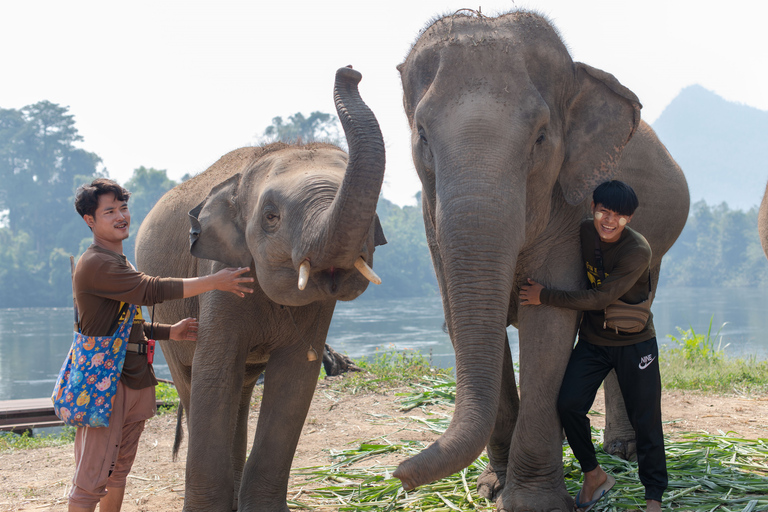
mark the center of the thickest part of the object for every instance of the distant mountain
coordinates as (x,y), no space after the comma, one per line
(720,145)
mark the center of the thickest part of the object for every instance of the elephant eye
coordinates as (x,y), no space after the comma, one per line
(422,136)
(270,218)
(541,139)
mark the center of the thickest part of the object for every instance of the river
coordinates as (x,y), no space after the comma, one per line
(35,341)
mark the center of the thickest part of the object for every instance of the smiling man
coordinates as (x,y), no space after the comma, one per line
(617,261)
(103,281)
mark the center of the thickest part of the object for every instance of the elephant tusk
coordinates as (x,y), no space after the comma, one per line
(367,271)
(303,274)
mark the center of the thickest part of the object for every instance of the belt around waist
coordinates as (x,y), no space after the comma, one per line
(137,348)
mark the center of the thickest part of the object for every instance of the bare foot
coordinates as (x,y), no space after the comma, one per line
(652,506)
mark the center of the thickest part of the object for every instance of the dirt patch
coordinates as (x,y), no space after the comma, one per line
(40,479)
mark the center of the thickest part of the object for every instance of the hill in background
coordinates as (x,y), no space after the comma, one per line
(720,146)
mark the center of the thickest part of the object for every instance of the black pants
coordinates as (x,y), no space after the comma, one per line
(637,369)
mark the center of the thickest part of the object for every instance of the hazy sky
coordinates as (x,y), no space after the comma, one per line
(176,84)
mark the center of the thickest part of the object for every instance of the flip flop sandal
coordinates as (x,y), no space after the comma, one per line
(600,491)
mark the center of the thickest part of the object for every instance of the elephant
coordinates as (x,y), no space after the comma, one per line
(762,222)
(509,138)
(303,218)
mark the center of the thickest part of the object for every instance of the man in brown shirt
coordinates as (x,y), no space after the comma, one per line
(617,261)
(103,280)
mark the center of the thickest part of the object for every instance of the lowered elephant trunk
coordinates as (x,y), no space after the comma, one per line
(350,216)
(476,293)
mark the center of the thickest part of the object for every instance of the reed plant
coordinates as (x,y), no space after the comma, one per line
(698,361)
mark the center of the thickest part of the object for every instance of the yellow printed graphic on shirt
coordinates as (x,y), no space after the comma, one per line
(137,318)
(594,276)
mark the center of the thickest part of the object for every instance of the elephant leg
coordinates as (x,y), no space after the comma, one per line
(534,479)
(289,385)
(619,436)
(491,481)
(217,384)
(240,443)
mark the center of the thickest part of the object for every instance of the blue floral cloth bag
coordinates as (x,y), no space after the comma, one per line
(85,390)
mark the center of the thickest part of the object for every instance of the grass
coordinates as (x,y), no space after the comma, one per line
(10,441)
(167,393)
(696,363)
(388,369)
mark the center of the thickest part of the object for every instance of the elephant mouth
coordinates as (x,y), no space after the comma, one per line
(339,283)
(360,265)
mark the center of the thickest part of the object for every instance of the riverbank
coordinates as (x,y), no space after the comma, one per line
(339,419)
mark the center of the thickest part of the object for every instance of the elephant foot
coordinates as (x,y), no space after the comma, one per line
(256,507)
(491,482)
(623,448)
(541,500)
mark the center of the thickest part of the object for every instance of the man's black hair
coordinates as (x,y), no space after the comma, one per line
(87,195)
(616,196)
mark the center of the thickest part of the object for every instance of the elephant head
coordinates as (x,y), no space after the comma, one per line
(507,132)
(304,216)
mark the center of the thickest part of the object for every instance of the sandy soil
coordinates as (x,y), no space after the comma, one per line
(40,479)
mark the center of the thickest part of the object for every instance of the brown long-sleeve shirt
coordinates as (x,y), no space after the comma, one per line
(626,263)
(103,279)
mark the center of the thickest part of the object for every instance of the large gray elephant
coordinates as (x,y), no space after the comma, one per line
(303,217)
(509,138)
(762,222)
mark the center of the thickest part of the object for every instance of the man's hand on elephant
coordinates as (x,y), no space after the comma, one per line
(185,330)
(230,280)
(225,280)
(530,294)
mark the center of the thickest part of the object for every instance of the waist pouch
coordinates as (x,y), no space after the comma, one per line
(85,389)
(628,318)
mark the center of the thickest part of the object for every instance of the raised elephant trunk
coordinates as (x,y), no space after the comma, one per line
(350,217)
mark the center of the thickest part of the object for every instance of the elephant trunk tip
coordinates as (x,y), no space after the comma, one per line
(403,475)
(349,74)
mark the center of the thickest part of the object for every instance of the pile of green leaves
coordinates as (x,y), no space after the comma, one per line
(706,472)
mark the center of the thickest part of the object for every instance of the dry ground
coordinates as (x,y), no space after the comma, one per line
(40,479)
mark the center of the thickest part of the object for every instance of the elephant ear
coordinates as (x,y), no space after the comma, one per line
(602,116)
(378,232)
(218,230)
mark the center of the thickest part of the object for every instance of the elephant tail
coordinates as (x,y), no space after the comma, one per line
(179,432)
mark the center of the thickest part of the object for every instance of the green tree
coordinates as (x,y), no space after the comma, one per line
(40,167)
(147,186)
(38,163)
(318,126)
(404,263)
(718,247)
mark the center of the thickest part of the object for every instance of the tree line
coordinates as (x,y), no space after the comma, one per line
(41,167)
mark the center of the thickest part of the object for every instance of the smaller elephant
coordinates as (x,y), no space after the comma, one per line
(303,217)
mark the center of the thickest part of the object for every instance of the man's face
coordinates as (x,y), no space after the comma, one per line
(111,220)
(608,223)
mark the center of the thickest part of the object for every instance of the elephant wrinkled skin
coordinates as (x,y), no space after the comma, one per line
(509,138)
(274,209)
